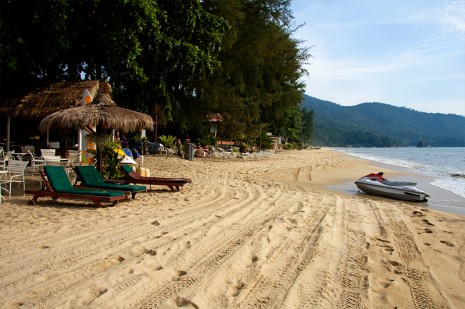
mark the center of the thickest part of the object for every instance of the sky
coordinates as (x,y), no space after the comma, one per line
(408,53)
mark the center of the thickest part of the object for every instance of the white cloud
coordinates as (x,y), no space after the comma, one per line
(454,15)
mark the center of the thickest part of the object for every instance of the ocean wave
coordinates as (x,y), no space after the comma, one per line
(456,186)
(457,175)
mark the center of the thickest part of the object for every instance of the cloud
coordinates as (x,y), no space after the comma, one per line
(454,15)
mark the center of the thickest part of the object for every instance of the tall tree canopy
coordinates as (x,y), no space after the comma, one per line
(180,59)
(261,65)
(146,48)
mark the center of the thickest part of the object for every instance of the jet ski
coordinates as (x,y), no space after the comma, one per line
(376,184)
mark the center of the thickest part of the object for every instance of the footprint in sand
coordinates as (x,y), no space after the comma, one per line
(181,273)
(101,291)
(384,244)
(448,243)
(151,252)
(396,267)
(417,213)
(387,284)
(394,263)
(389,249)
(427,222)
(178,275)
(184,302)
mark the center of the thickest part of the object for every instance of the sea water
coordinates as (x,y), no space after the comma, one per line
(446,165)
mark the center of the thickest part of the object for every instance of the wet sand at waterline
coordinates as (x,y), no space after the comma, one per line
(245,234)
(439,199)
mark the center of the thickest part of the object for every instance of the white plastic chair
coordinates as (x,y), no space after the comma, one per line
(170,152)
(4,158)
(47,152)
(162,150)
(16,173)
(74,158)
(28,148)
(36,163)
(55,160)
(3,181)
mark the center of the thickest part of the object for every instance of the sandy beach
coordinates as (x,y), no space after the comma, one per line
(245,234)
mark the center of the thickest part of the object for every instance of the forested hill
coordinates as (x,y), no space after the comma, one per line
(382,125)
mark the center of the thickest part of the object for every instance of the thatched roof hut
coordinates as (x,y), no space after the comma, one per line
(48,99)
(101,113)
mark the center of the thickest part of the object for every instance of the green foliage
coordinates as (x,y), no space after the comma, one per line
(265,142)
(289,126)
(382,125)
(137,137)
(207,140)
(307,126)
(178,59)
(167,140)
(261,65)
(111,160)
(149,49)
(293,145)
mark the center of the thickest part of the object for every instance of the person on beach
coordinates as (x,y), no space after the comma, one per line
(200,152)
(179,148)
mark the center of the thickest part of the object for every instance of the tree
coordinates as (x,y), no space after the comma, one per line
(261,65)
(307,125)
(149,50)
(178,59)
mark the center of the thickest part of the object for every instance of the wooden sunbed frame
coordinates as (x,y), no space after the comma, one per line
(172,183)
(47,190)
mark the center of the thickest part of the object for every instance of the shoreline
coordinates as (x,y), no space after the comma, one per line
(253,234)
(440,199)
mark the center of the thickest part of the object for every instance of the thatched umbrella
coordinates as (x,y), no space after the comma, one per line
(102,114)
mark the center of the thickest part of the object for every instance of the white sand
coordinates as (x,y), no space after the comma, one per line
(253,234)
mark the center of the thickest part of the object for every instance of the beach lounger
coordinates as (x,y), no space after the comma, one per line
(90,177)
(57,184)
(133,177)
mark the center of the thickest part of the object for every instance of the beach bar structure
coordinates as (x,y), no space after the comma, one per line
(25,110)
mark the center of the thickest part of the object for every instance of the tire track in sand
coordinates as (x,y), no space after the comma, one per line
(209,255)
(354,283)
(404,245)
(85,261)
(409,255)
(286,263)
